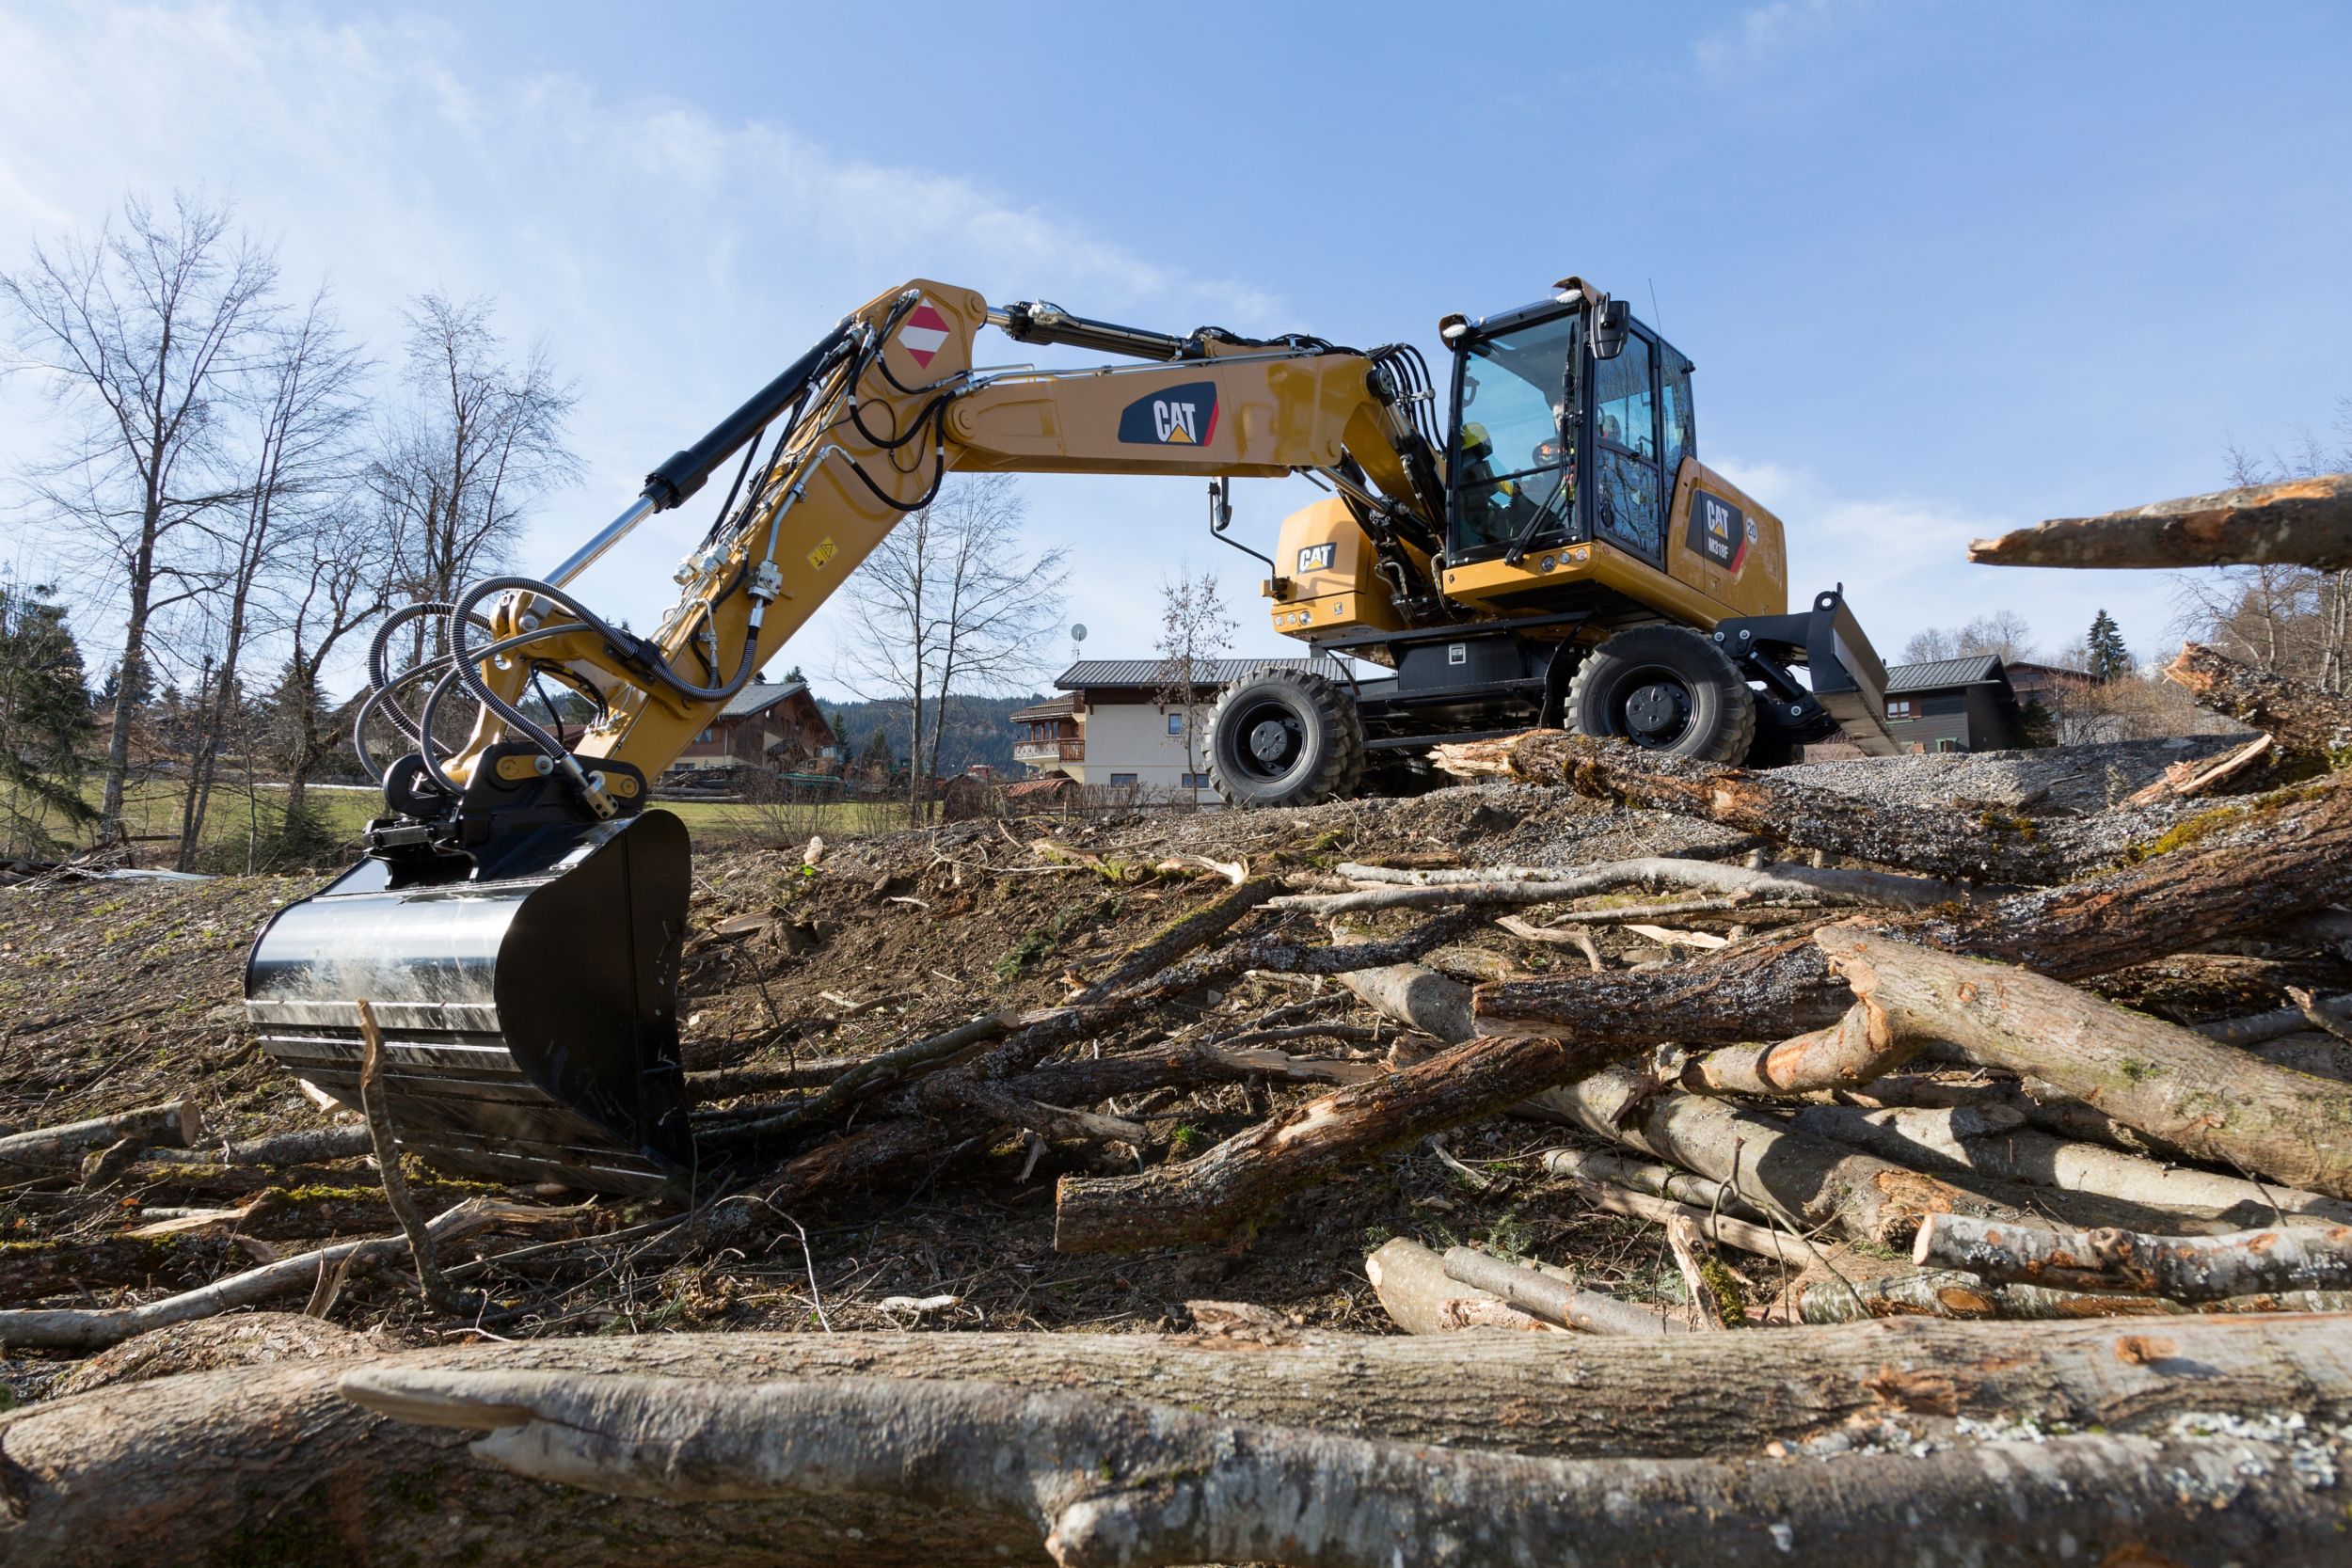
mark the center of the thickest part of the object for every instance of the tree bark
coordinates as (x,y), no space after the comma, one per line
(2180,1268)
(2308,723)
(1848,1052)
(1648,1177)
(228,1465)
(2306,522)
(175,1125)
(1206,1199)
(314,1145)
(2173,1083)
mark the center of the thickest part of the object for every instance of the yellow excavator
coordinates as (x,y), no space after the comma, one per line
(1553,554)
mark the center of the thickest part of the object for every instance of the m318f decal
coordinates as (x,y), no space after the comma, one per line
(1177,417)
(1719,531)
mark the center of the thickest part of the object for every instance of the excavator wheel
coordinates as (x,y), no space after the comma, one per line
(1666,688)
(1285,737)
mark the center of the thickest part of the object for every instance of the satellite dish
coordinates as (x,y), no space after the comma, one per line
(1078,632)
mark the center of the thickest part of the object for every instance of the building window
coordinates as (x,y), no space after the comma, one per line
(1175,724)
(1119,780)
(705,736)
(1196,780)
(1947,744)
(1899,707)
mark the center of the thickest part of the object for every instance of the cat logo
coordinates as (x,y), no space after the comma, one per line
(1718,531)
(1177,417)
(1316,558)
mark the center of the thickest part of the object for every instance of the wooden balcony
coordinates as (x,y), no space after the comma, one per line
(1049,751)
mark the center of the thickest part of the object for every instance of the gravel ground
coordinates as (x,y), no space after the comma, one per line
(2058,781)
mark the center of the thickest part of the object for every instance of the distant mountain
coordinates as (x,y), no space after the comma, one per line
(978,729)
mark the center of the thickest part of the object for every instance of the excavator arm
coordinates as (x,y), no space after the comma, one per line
(517,926)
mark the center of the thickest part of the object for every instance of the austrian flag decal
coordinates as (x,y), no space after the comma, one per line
(924,334)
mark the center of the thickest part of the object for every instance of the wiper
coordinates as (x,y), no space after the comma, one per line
(1535,524)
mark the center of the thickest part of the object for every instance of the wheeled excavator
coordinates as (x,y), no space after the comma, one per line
(1554,553)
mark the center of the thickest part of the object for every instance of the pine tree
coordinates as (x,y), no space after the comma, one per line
(45,730)
(2106,654)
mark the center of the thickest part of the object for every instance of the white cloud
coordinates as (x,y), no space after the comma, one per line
(1765,33)
(671,261)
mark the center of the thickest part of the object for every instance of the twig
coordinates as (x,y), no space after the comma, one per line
(373,1099)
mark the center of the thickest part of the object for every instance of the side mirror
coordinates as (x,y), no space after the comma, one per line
(1611,323)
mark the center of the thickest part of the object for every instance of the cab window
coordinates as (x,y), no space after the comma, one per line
(1511,468)
(1627,511)
(1674,409)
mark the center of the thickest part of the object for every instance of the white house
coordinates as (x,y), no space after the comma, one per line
(1111,729)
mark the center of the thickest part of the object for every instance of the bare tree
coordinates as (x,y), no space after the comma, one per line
(136,336)
(297,400)
(457,474)
(2001,632)
(950,600)
(1194,632)
(2290,620)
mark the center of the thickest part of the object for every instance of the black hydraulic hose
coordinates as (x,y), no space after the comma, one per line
(381,696)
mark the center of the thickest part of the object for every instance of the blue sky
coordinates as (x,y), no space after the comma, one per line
(1944,268)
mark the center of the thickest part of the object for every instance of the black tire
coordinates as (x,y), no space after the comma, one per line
(1666,688)
(1285,737)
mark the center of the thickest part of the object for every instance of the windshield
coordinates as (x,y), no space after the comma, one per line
(1512,475)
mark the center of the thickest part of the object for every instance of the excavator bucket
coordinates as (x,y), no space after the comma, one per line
(527,1001)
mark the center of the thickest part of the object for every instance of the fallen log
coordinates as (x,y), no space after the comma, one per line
(1208,1197)
(2180,1268)
(2204,1098)
(88,1329)
(1937,840)
(1193,932)
(1786,880)
(309,1147)
(1966,1140)
(62,1147)
(2185,780)
(228,1464)
(1848,1052)
(2306,522)
(1420,1297)
(2307,722)
(1554,1301)
(1593,1166)
(1104,1485)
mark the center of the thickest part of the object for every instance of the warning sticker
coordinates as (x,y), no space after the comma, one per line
(924,334)
(826,549)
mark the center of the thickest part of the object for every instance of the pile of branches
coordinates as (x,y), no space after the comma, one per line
(2057,1275)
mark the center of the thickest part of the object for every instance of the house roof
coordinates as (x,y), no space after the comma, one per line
(757,698)
(1053,707)
(1937,674)
(1208,672)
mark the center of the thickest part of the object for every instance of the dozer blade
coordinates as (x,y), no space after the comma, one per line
(527,1002)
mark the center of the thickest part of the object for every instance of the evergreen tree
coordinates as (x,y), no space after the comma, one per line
(878,754)
(44,720)
(2106,656)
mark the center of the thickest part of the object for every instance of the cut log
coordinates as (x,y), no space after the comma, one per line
(1420,1297)
(1108,1484)
(2185,780)
(2307,722)
(1417,997)
(1193,932)
(2304,522)
(2167,1081)
(312,1147)
(1554,1301)
(2180,1268)
(1788,881)
(62,1147)
(229,1464)
(1848,1052)
(1987,1141)
(1595,1166)
(1208,1197)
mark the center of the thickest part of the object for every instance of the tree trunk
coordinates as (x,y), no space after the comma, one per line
(1206,1199)
(235,1465)
(2306,522)
(2173,1083)
(1554,1301)
(175,1125)
(1420,1297)
(2309,724)
(1848,1052)
(2180,1268)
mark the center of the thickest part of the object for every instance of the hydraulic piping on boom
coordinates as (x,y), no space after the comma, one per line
(516,923)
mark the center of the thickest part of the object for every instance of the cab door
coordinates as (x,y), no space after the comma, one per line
(1628,492)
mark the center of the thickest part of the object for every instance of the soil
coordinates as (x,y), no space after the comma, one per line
(121,993)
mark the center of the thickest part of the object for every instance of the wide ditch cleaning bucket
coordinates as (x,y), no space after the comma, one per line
(527,1002)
